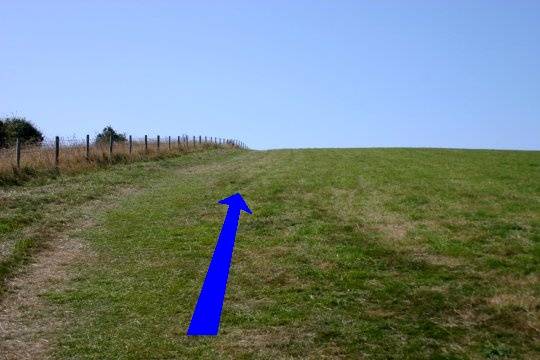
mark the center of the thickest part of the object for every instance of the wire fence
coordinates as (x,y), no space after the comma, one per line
(68,155)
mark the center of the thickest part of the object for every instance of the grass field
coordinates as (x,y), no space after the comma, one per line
(352,253)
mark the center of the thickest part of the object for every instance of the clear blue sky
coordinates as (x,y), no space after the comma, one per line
(279,73)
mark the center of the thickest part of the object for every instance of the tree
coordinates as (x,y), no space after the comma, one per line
(2,134)
(107,132)
(13,128)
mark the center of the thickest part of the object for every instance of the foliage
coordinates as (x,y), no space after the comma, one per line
(13,127)
(107,132)
(2,134)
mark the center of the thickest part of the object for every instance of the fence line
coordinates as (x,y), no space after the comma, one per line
(72,154)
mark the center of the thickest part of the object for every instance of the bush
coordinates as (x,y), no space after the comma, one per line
(2,134)
(106,133)
(12,128)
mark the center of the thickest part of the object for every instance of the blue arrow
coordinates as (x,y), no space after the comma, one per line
(207,313)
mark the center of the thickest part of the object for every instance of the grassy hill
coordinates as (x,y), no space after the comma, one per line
(376,253)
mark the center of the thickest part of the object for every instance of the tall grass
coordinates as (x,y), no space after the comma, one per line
(40,159)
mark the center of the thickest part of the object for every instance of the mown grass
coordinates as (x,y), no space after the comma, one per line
(45,206)
(379,253)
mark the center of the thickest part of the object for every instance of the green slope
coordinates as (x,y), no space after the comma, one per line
(349,253)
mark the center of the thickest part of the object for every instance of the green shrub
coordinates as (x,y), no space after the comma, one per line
(105,135)
(12,128)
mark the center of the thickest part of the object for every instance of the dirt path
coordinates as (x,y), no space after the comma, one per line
(28,323)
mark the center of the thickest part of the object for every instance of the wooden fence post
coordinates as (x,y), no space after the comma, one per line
(110,147)
(130,145)
(178,142)
(56,151)
(200,139)
(158,143)
(146,144)
(18,153)
(194,141)
(87,147)
(169,143)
